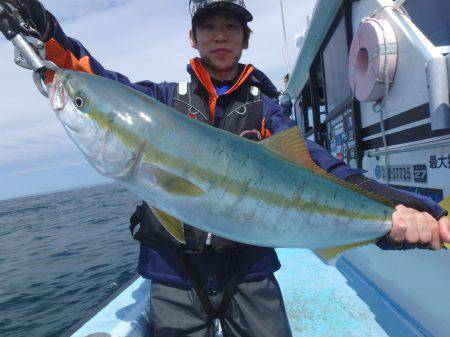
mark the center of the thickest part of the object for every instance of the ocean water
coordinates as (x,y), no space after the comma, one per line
(61,254)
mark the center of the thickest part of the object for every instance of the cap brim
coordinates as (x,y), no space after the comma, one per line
(239,10)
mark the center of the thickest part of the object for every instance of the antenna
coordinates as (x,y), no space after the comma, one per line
(288,66)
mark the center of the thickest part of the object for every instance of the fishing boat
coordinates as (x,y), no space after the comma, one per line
(371,84)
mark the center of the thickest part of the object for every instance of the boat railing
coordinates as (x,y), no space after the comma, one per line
(408,148)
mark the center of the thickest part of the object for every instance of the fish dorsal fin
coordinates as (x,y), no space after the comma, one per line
(328,255)
(290,145)
(174,226)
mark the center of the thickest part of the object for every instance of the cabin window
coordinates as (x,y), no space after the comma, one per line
(304,111)
(318,101)
(432,18)
(335,65)
(298,113)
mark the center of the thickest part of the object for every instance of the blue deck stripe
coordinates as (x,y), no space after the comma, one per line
(403,313)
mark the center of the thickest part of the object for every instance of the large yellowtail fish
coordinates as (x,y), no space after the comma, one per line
(267,194)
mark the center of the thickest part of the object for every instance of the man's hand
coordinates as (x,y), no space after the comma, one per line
(34,13)
(415,227)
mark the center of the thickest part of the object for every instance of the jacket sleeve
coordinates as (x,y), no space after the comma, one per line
(274,118)
(276,121)
(69,53)
(355,176)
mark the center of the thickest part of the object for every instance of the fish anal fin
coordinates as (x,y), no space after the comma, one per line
(174,226)
(290,145)
(328,255)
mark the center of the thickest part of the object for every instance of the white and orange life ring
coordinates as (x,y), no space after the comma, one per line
(374,46)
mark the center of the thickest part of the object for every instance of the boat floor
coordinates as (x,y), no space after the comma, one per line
(321,300)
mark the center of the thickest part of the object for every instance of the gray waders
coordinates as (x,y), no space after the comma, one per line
(252,309)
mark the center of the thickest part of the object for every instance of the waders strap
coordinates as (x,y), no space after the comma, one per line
(230,288)
(228,292)
(197,284)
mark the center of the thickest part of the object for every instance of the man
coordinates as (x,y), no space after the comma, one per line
(210,277)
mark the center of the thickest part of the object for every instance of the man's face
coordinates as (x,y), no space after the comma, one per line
(220,41)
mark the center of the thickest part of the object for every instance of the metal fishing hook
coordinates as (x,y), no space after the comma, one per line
(29,51)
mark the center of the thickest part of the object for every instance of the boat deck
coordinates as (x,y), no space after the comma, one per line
(321,300)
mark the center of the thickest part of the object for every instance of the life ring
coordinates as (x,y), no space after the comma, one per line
(374,46)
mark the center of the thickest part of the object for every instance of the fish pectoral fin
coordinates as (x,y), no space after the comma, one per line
(176,185)
(445,204)
(174,226)
(330,255)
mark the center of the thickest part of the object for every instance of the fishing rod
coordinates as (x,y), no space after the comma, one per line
(29,49)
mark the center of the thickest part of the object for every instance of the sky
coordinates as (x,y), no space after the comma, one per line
(145,40)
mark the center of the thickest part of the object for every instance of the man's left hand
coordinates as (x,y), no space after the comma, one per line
(416,227)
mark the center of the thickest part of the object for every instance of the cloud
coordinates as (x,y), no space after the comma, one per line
(140,38)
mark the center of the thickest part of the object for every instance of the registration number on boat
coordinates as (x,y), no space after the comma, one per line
(396,173)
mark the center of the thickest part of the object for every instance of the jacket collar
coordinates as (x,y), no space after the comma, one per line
(249,74)
(202,75)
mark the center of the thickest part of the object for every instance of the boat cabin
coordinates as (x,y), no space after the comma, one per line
(371,84)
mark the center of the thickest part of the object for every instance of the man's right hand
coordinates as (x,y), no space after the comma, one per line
(414,227)
(34,13)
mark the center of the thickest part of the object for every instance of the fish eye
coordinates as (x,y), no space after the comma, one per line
(79,102)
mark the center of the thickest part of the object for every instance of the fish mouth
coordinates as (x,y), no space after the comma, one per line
(62,103)
(57,93)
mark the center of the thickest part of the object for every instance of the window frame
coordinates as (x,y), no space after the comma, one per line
(320,129)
